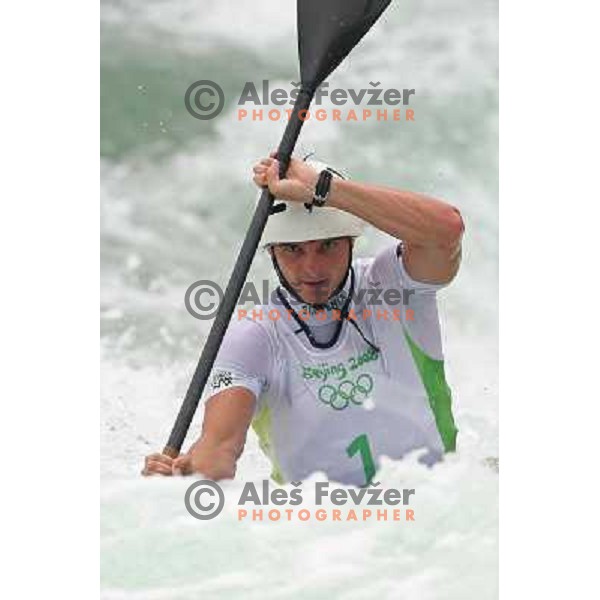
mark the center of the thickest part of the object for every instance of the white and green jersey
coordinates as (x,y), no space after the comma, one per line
(338,410)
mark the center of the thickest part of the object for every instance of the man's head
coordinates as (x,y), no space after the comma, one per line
(311,249)
(314,269)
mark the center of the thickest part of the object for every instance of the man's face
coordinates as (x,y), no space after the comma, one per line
(314,269)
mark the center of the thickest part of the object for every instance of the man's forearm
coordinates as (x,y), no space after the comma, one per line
(215,461)
(223,451)
(224,430)
(415,218)
(231,447)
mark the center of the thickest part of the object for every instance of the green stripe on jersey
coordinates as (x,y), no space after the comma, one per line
(439,394)
(262,426)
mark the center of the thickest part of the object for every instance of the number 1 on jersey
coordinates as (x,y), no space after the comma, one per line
(361,444)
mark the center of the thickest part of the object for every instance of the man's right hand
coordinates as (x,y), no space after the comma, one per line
(215,464)
(158,464)
(226,420)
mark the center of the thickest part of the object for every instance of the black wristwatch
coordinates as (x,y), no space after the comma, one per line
(321,189)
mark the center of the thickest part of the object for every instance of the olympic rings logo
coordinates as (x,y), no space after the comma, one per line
(347,391)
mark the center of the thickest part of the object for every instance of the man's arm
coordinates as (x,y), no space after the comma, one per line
(227,418)
(430,229)
(243,365)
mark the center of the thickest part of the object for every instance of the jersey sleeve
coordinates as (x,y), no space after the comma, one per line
(390,265)
(244,360)
(415,300)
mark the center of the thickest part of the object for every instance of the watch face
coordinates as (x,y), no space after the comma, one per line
(322,188)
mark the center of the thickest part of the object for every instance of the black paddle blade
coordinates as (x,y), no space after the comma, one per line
(327,32)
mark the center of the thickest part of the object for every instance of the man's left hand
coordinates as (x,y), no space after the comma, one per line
(298,185)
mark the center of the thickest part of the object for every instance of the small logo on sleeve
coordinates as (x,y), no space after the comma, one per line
(221,379)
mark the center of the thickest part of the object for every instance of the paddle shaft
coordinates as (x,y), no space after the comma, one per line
(236,282)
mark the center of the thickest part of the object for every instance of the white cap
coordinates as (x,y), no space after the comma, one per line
(297,224)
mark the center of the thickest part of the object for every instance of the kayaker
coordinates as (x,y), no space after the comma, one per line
(340,380)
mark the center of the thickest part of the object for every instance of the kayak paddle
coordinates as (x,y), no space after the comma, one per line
(327,32)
